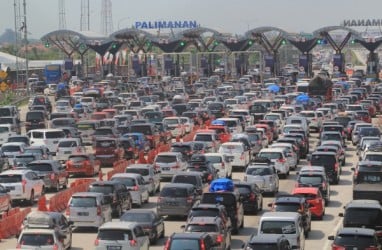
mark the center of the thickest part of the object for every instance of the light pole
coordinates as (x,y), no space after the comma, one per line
(26,43)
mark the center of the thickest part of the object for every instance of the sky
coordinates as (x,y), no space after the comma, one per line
(228,16)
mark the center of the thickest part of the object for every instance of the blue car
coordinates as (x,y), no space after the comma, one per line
(140,140)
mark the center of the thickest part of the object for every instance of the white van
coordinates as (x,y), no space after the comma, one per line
(67,147)
(46,137)
(288,224)
(241,156)
(5,132)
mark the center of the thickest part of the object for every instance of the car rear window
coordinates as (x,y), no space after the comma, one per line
(310,179)
(185,179)
(37,239)
(105,144)
(264,246)
(360,217)
(270,155)
(204,212)
(166,159)
(226,199)
(287,207)
(54,134)
(141,171)
(10,148)
(201,228)
(373,157)
(179,244)
(203,137)
(104,189)
(85,126)
(361,241)
(128,182)
(67,144)
(258,171)
(229,149)
(42,167)
(278,227)
(83,202)
(323,160)
(214,159)
(115,234)
(10,178)
(174,192)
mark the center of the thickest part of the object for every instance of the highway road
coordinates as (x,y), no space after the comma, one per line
(340,195)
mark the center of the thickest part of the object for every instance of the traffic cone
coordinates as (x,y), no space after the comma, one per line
(41,205)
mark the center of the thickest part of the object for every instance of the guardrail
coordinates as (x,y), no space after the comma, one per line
(10,222)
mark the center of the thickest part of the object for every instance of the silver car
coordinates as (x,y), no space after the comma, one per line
(149,174)
(170,163)
(264,175)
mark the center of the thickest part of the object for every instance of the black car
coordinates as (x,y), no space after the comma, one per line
(315,179)
(114,192)
(330,161)
(217,109)
(356,238)
(200,163)
(149,220)
(194,241)
(251,196)
(35,120)
(210,210)
(186,148)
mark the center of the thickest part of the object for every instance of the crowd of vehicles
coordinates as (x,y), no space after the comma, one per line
(255,131)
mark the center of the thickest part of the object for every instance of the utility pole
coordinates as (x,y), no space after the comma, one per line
(26,44)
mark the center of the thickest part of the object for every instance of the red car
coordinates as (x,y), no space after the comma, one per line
(314,198)
(108,151)
(82,164)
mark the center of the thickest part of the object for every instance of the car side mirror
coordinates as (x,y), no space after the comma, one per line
(331,237)
(183,227)
(341,214)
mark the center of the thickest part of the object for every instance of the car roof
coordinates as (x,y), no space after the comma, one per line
(101,183)
(178,185)
(357,231)
(170,153)
(15,171)
(279,215)
(87,194)
(127,175)
(363,203)
(193,235)
(140,165)
(266,238)
(204,220)
(288,199)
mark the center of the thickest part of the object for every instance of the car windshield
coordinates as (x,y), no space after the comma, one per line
(278,227)
(259,171)
(37,239)
(173,192)
(128,182)
(166,159)
(136,217)
(40,167)
(141,171)
(101,189)
(83,202)
(185,244)
(115,234)
(201,228)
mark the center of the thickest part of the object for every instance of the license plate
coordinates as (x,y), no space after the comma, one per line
(166,169)
(114,247)
(77,165)
(67,152)
(82,213)
(54,142)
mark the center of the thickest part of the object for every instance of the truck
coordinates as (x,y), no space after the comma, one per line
(321,86)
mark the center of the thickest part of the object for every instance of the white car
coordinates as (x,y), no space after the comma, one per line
(222,163)
(68,146)
(290,154)
(11,149)
(136,185)
(264,175)
(278,158)
(5,132)
(175,126)
(241,157)
(169,163)
(24,184)
(63,106)
(42,238)
(187,123)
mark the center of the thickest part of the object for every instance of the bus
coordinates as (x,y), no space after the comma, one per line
(53,73)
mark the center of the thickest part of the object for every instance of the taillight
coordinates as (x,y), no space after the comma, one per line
(67,211)
(223,165)
(323,185)
(167,246)
(336,247)
(133,243)
(23,183)
(189,199)
(18,246)
(202,246)
(281,160)
(252,197)
(242,156)
(159,199)
(245,178)
(99,211)
(136,188)
(52,176)
(79,150)
(55,247)
(219,238)
(336,166)
(96,242)
(176,166)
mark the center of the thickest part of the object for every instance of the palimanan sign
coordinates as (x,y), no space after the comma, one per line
(166,24)
(362,22)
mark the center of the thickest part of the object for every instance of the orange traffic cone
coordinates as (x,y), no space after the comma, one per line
(142,159)
(41,205)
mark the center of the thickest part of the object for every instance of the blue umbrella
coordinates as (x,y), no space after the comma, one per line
(302,98)
(273,88)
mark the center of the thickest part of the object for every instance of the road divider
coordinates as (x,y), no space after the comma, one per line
(118,167)
(10,222)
